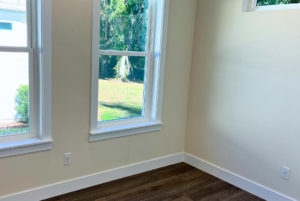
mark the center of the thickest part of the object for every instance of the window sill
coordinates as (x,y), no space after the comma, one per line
(121,131)
(24,146)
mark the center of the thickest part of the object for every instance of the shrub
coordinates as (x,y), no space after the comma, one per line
(22,103)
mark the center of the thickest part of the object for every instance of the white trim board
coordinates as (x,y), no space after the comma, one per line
(92,180)
(114,174)
(238,181)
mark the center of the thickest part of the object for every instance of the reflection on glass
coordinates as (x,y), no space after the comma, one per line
(121,87)
(275,2)
(123,25)
(14,101)
(13,23)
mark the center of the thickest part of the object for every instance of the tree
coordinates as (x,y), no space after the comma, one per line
(123,27)
(22,103)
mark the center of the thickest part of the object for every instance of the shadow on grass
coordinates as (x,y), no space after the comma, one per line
(132,110)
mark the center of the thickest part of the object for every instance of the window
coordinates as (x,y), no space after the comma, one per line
(122,78)
(15,71)
(5,26)
(264,5)
(275,2)
(23,77)
(129,41)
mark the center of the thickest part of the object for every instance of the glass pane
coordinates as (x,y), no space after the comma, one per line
(14,101)
(13,23)
(121,87)
(123,25)
(275,2)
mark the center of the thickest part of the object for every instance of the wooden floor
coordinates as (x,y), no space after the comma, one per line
(180,182)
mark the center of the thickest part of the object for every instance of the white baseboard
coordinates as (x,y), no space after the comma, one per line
(92,180)
(235,180)
(111,175)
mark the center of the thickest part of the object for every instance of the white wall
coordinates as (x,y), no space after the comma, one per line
(72,36)
(244,100)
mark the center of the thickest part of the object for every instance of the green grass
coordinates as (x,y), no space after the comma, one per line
(13,130)
(119,100)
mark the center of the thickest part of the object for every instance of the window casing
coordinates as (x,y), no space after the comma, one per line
(38,48)
(251,5)
(155,54)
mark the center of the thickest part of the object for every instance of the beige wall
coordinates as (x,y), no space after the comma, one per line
(244,100)
(72,35)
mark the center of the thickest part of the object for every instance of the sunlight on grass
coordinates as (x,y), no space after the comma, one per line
(119,100)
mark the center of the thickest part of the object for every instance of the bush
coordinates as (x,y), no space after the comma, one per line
(22,103)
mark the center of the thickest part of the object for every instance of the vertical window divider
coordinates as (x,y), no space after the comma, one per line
(32,98)
(95,65)
(148,72)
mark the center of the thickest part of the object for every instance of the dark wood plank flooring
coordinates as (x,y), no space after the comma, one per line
(180,182)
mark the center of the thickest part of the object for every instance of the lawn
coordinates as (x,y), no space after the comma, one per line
(13,130)
(119,100)
(13,127)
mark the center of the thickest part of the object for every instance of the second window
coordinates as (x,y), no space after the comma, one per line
(124,58)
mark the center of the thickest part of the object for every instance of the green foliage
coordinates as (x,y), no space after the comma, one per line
(124,28)
(22,103)
(125,25)
(138,69)
(107,66)
(13,130)
(275,2)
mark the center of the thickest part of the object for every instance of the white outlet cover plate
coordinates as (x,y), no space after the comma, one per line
(286,173)
(67,159)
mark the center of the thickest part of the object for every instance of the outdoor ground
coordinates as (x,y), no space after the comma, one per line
(13,127)
(119,100)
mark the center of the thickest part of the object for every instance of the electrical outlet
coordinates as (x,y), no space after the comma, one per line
(286,173)
(67,159)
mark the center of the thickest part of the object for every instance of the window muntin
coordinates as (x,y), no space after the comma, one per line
(16,69)
(276,2)
(123,59)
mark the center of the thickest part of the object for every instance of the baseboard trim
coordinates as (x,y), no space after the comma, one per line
(235,180)
(111,175)
(92,180)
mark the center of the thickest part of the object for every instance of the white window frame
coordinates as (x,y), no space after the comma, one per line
(40,79)
(251,5)
(155,53)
